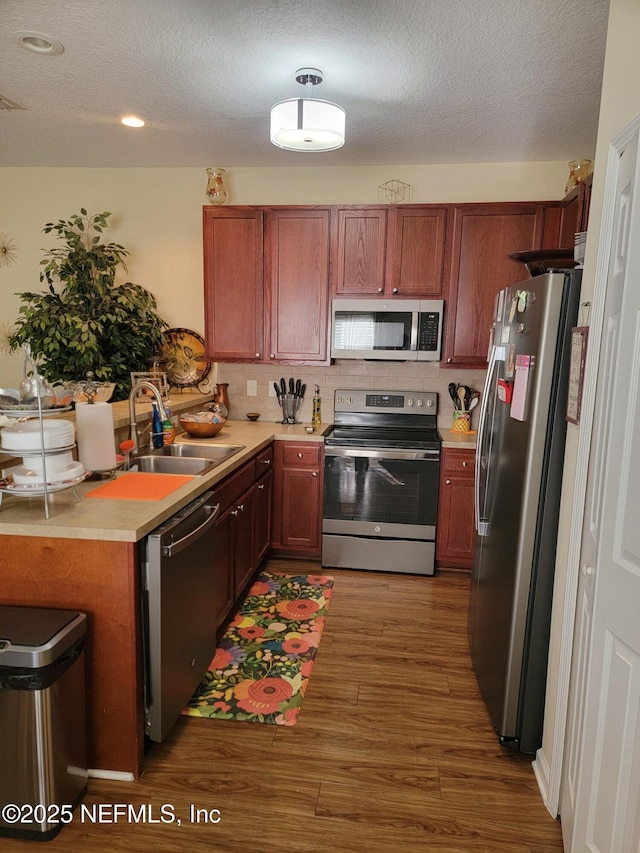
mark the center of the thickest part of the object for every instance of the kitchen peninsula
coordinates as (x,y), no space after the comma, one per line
(86,557)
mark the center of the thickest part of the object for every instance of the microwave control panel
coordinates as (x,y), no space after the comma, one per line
(429,332)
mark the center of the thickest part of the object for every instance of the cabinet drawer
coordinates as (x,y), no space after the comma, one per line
(264,462)
(457,462)
(230,489)
(304,455)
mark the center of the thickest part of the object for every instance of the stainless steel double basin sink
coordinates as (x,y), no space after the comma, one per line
(185,458)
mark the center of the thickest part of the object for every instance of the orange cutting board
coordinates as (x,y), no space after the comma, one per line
(138,486)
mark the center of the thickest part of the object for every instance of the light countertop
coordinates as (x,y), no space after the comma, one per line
(460,440)
(127,520)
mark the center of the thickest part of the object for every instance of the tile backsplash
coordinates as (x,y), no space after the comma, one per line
(382,376)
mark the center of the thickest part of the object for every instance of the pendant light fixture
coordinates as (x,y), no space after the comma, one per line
(307,124)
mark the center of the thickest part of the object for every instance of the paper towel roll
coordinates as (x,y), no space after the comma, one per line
(96,443)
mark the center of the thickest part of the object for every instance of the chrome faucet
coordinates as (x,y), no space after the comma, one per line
(133,432)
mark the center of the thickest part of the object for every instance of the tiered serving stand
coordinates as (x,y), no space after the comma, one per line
(45,488)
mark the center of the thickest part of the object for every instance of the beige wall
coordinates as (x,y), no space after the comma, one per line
(157,217)
(620,104)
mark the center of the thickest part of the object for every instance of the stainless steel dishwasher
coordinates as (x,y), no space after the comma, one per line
(179,635)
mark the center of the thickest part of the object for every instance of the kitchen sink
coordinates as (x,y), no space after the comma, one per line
(152,464)
(217,452)
(184,458)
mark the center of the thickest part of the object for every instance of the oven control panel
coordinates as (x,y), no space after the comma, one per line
(397,402)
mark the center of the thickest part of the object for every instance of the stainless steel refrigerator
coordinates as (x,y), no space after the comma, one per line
(519,460)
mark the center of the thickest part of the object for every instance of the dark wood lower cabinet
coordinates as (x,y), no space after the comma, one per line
(243,529)
(455,533)
(297,518)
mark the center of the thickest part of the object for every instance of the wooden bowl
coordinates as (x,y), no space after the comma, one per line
(198,429)
(253,416)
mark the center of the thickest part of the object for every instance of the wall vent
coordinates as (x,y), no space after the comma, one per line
(6,104)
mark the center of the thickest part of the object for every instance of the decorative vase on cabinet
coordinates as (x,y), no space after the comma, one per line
(216,190)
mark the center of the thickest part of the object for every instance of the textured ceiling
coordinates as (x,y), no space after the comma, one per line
(422,81)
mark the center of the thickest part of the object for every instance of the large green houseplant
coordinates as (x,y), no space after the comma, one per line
(84,321)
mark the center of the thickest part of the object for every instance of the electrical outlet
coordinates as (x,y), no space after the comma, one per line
(252,388)
(272,390)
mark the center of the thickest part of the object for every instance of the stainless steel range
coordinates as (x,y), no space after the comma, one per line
(382,466)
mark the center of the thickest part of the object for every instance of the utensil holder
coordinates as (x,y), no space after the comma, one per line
(461,421)
(290,404)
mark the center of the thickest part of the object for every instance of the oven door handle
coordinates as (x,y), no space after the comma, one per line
(419,455)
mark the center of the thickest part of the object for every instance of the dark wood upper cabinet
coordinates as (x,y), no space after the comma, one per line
(416,251)
(233,279)
(480,239)
(390,251)
(297,283)
(361,251)
(575,212)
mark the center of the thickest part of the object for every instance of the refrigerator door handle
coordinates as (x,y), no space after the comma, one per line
(498,353)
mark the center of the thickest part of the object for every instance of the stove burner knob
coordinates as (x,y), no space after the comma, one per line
(420,403)
(429,403)
(411,402)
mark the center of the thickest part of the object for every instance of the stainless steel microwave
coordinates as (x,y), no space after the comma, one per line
(387,329)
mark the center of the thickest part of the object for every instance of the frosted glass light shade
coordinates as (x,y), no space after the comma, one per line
(307,124)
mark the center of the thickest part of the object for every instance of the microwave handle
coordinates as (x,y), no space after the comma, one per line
(415,327)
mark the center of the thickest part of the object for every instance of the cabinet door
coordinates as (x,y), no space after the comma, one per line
(233,283)
(297,516)
(482,236)
(223,567)
(455,531)
(262,518)
(361,251)
(416,252)
(243,565)
(297,284)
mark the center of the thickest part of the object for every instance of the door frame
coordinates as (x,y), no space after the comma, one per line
(550,783)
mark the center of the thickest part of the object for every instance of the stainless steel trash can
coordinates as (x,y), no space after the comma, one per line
(43,742)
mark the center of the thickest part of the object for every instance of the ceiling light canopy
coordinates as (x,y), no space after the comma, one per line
(307,124)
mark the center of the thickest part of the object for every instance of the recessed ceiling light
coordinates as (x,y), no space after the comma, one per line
(133,121)
(38,42)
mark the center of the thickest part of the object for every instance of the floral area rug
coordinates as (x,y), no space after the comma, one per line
(262,665)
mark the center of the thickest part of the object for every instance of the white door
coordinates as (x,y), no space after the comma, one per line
(607,813)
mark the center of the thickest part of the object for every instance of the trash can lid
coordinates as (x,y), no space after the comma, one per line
(35,636)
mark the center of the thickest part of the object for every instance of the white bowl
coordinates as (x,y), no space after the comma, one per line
(54,463)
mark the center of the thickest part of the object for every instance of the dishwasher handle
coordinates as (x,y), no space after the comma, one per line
(173,548)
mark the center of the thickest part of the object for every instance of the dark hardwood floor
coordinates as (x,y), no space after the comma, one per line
(393,750)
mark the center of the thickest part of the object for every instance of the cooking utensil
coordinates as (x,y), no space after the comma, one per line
(291,387)
(303,388)
(461,396)
(298,387)
(283,385)
(473,404)
(277,390)
(453,393)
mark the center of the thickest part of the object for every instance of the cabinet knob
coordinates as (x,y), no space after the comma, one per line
(257,355)
(272,355)
(394,290)
(261,486)
(379,290)
(465,464)
(314,473)
(266,462)
(299,455)
(447,482)
(234,512)
(240,507)
(449,360)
